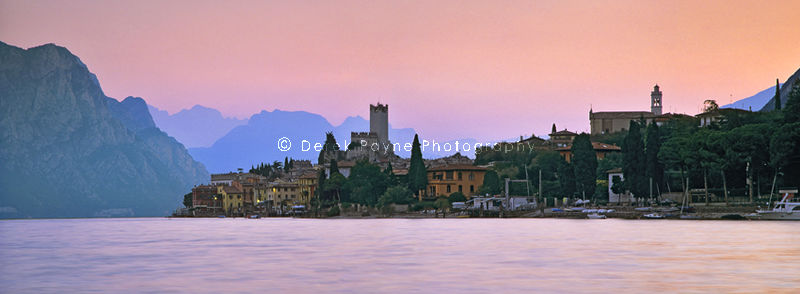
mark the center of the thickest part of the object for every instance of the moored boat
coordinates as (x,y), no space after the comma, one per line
(786,209)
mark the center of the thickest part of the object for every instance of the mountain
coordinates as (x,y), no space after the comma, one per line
(754,102)
(784,92)
(67,150)
(257,141)
(198,126)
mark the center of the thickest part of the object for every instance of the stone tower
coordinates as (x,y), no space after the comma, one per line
(379,121)
(655,101)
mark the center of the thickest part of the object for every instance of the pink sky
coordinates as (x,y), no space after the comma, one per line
(486,70)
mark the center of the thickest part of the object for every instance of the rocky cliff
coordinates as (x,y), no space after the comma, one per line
(67,150)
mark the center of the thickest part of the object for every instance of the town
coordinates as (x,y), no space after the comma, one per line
(721,163)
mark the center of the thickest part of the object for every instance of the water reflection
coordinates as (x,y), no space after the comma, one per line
(397,255)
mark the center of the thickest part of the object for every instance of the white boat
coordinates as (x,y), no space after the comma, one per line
(595,216)
(783,210)
(654,216)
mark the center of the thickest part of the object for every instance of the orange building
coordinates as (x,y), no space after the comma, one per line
(445,180)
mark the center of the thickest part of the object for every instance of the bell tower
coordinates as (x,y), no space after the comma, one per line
(655,101)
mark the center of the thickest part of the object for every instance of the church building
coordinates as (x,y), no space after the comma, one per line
(608,122)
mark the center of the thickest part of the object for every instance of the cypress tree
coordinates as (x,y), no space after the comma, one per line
(584,162)
(633,160)
(653,167)
(777,95)
(334,167)
(491,183)
(417,173)
(329,146)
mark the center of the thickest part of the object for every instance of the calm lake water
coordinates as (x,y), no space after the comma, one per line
(162,255)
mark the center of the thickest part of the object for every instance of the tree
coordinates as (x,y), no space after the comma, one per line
(286,165)
(334,167)
(329,147)
(566,179)
(187,200)
(365,183)
(417,173)
(791,113)
(633,161)
(777,95)
(442,204)
(710,105)
(333,186)
(491,183)
(457,197)
(584,161)
(653,168)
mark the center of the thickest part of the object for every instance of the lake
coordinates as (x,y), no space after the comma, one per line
(283,255)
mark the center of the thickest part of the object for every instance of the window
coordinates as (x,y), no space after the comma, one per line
(472,188)
(448,175)
(460,189)
(460,176)
(448,189)
(471,176)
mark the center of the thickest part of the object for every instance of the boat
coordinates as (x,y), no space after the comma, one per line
(654,216)
(642,209)
(785,209)
(595,216)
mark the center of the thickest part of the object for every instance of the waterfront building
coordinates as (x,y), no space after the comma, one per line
(232,199)
(308,186)
(283,193)
(229,178)
(447,179)
(203,196)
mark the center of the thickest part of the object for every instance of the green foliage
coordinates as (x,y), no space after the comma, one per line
(187,200)
(611,161)
(334,211)
(653,167)
(491,183)
(633,166)
(334,168)
(422,205)
(333,187)
(365,183)
(417,173)
(329,147)
(777,95)
(395,194)
(457,197)
(442,203)
(584,161)
(791,113)
(566,178)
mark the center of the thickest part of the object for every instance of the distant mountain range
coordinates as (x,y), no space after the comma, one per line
(257,141)
(198,126)
(764,100)
(755,102)
(67,150)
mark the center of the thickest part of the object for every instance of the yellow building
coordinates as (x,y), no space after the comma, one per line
(232,198)
(308,186)
(445,180)
(283,193)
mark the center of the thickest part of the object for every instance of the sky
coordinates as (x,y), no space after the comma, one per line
(449,69)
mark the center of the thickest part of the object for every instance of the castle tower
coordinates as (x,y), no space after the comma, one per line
(379,121)
(655,101)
